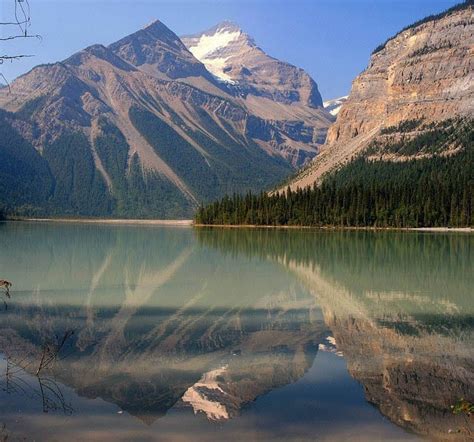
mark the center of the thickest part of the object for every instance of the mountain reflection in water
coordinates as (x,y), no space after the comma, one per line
(236,326)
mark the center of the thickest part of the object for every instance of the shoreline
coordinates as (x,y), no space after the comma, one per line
(190,223)
(368,228)
(144,222)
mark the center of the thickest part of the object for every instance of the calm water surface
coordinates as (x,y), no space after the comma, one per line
(161,333)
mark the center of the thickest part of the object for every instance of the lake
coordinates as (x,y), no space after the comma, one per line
(174,333)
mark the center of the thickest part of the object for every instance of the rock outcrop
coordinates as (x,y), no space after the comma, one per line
(425,73)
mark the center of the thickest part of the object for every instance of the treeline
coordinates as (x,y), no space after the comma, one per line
(430,192)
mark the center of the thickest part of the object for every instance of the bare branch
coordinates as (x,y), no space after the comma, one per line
(13,23)
(22,20)
(14,37)
(4,58)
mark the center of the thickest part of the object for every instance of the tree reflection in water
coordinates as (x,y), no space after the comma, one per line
(33,376)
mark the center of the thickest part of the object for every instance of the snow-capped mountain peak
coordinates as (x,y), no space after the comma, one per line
(270,88)
(233,56)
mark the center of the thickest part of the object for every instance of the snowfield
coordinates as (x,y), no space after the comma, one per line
(208,47)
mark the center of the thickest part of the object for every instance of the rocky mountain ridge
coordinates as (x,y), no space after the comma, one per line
(234,57)
(425,74)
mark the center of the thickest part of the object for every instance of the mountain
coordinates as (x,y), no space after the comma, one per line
(334,106)
(269,88)
(416,83)
(141,128)
(156,49)
(233,56)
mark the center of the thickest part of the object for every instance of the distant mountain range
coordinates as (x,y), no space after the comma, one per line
(153,125)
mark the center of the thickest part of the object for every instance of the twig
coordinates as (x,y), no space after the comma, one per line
(23,22)
(14,37)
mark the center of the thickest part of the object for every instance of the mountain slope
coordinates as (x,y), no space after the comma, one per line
(142,129)
(158,50)
(24,175)
(431,191)
(423,75)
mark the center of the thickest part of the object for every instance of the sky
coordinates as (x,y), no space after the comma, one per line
(330,39)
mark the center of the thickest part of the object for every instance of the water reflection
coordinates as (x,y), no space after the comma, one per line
(400,307)
(172,322)
(157,321)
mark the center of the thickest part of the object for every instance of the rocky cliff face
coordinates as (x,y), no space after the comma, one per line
(142,129)
(425,73)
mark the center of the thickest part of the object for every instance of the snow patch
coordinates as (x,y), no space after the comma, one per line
(216,67)
(334,106)
(207,48)
(207,44)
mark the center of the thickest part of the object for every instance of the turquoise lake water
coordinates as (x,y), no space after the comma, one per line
(163,333)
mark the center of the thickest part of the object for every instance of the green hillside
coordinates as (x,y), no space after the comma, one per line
(63,179)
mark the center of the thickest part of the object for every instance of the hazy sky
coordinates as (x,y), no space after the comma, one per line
(331,39)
